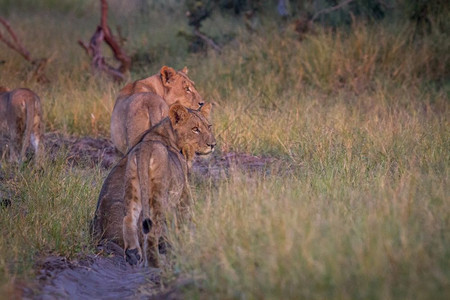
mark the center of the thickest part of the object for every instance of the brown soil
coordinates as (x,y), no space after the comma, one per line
(90,152)
(107,275)
(94,277)
(86,151)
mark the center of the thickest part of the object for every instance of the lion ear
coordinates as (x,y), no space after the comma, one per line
(167,73)
(178,113)
(185,70)
(206,110)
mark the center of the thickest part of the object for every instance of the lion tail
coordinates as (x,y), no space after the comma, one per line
(143,161)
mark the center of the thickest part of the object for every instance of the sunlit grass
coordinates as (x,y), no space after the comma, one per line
(320,236)
(361,209)
(357,206)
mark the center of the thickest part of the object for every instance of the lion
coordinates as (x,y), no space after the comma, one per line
(20,122)
(150,182)
(144,103)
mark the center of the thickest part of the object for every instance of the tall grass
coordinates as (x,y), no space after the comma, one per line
(320,236)
(357,205)
(360,207)
(44,211)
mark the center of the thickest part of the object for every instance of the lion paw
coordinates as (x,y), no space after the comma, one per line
(132,256)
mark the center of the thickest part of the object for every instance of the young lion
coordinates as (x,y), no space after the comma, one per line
(146,102)
(20,122)
(152,181)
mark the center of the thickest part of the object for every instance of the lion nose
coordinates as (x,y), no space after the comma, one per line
(201,104)
(212,144)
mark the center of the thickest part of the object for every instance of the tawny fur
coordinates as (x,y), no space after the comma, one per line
(151,182)
(144,103)
(20,123)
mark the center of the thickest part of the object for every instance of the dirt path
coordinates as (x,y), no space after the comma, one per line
(95,277)
(109,276)
(88,151)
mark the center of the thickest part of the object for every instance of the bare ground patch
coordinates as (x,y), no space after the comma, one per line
(93,277)
(88,151)
(107,275)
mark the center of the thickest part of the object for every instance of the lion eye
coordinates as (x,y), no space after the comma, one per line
(188,89)
(196,130)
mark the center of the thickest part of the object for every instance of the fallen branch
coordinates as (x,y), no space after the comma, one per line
(119,54)
(93,49)
(303,25)
(38,64)
(208,40)
(330,9)
(17,46)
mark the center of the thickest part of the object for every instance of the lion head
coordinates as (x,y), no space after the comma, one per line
(179,88)
(193,130)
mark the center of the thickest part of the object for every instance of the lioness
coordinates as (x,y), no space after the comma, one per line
(150,181)
(145,102)
(20,122)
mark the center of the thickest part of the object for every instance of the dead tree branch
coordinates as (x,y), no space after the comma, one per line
(93,49)
(303,24)
(208,40)
(330,9)
(15,44)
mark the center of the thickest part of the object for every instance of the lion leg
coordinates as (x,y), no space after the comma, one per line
(145,250)
(157,197)
(13,156)
(14,142)
(36,136)
(133,252)
(184,213)
(37,147)
(133,208)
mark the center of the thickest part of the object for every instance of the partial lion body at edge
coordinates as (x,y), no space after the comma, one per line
(20,123)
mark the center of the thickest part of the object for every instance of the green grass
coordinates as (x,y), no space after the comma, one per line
(320,238)
(359,210)
(49,213)
(357,205)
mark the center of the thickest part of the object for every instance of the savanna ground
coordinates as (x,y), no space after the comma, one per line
(352,200)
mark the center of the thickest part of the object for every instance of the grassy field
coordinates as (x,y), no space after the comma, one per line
(357,205)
